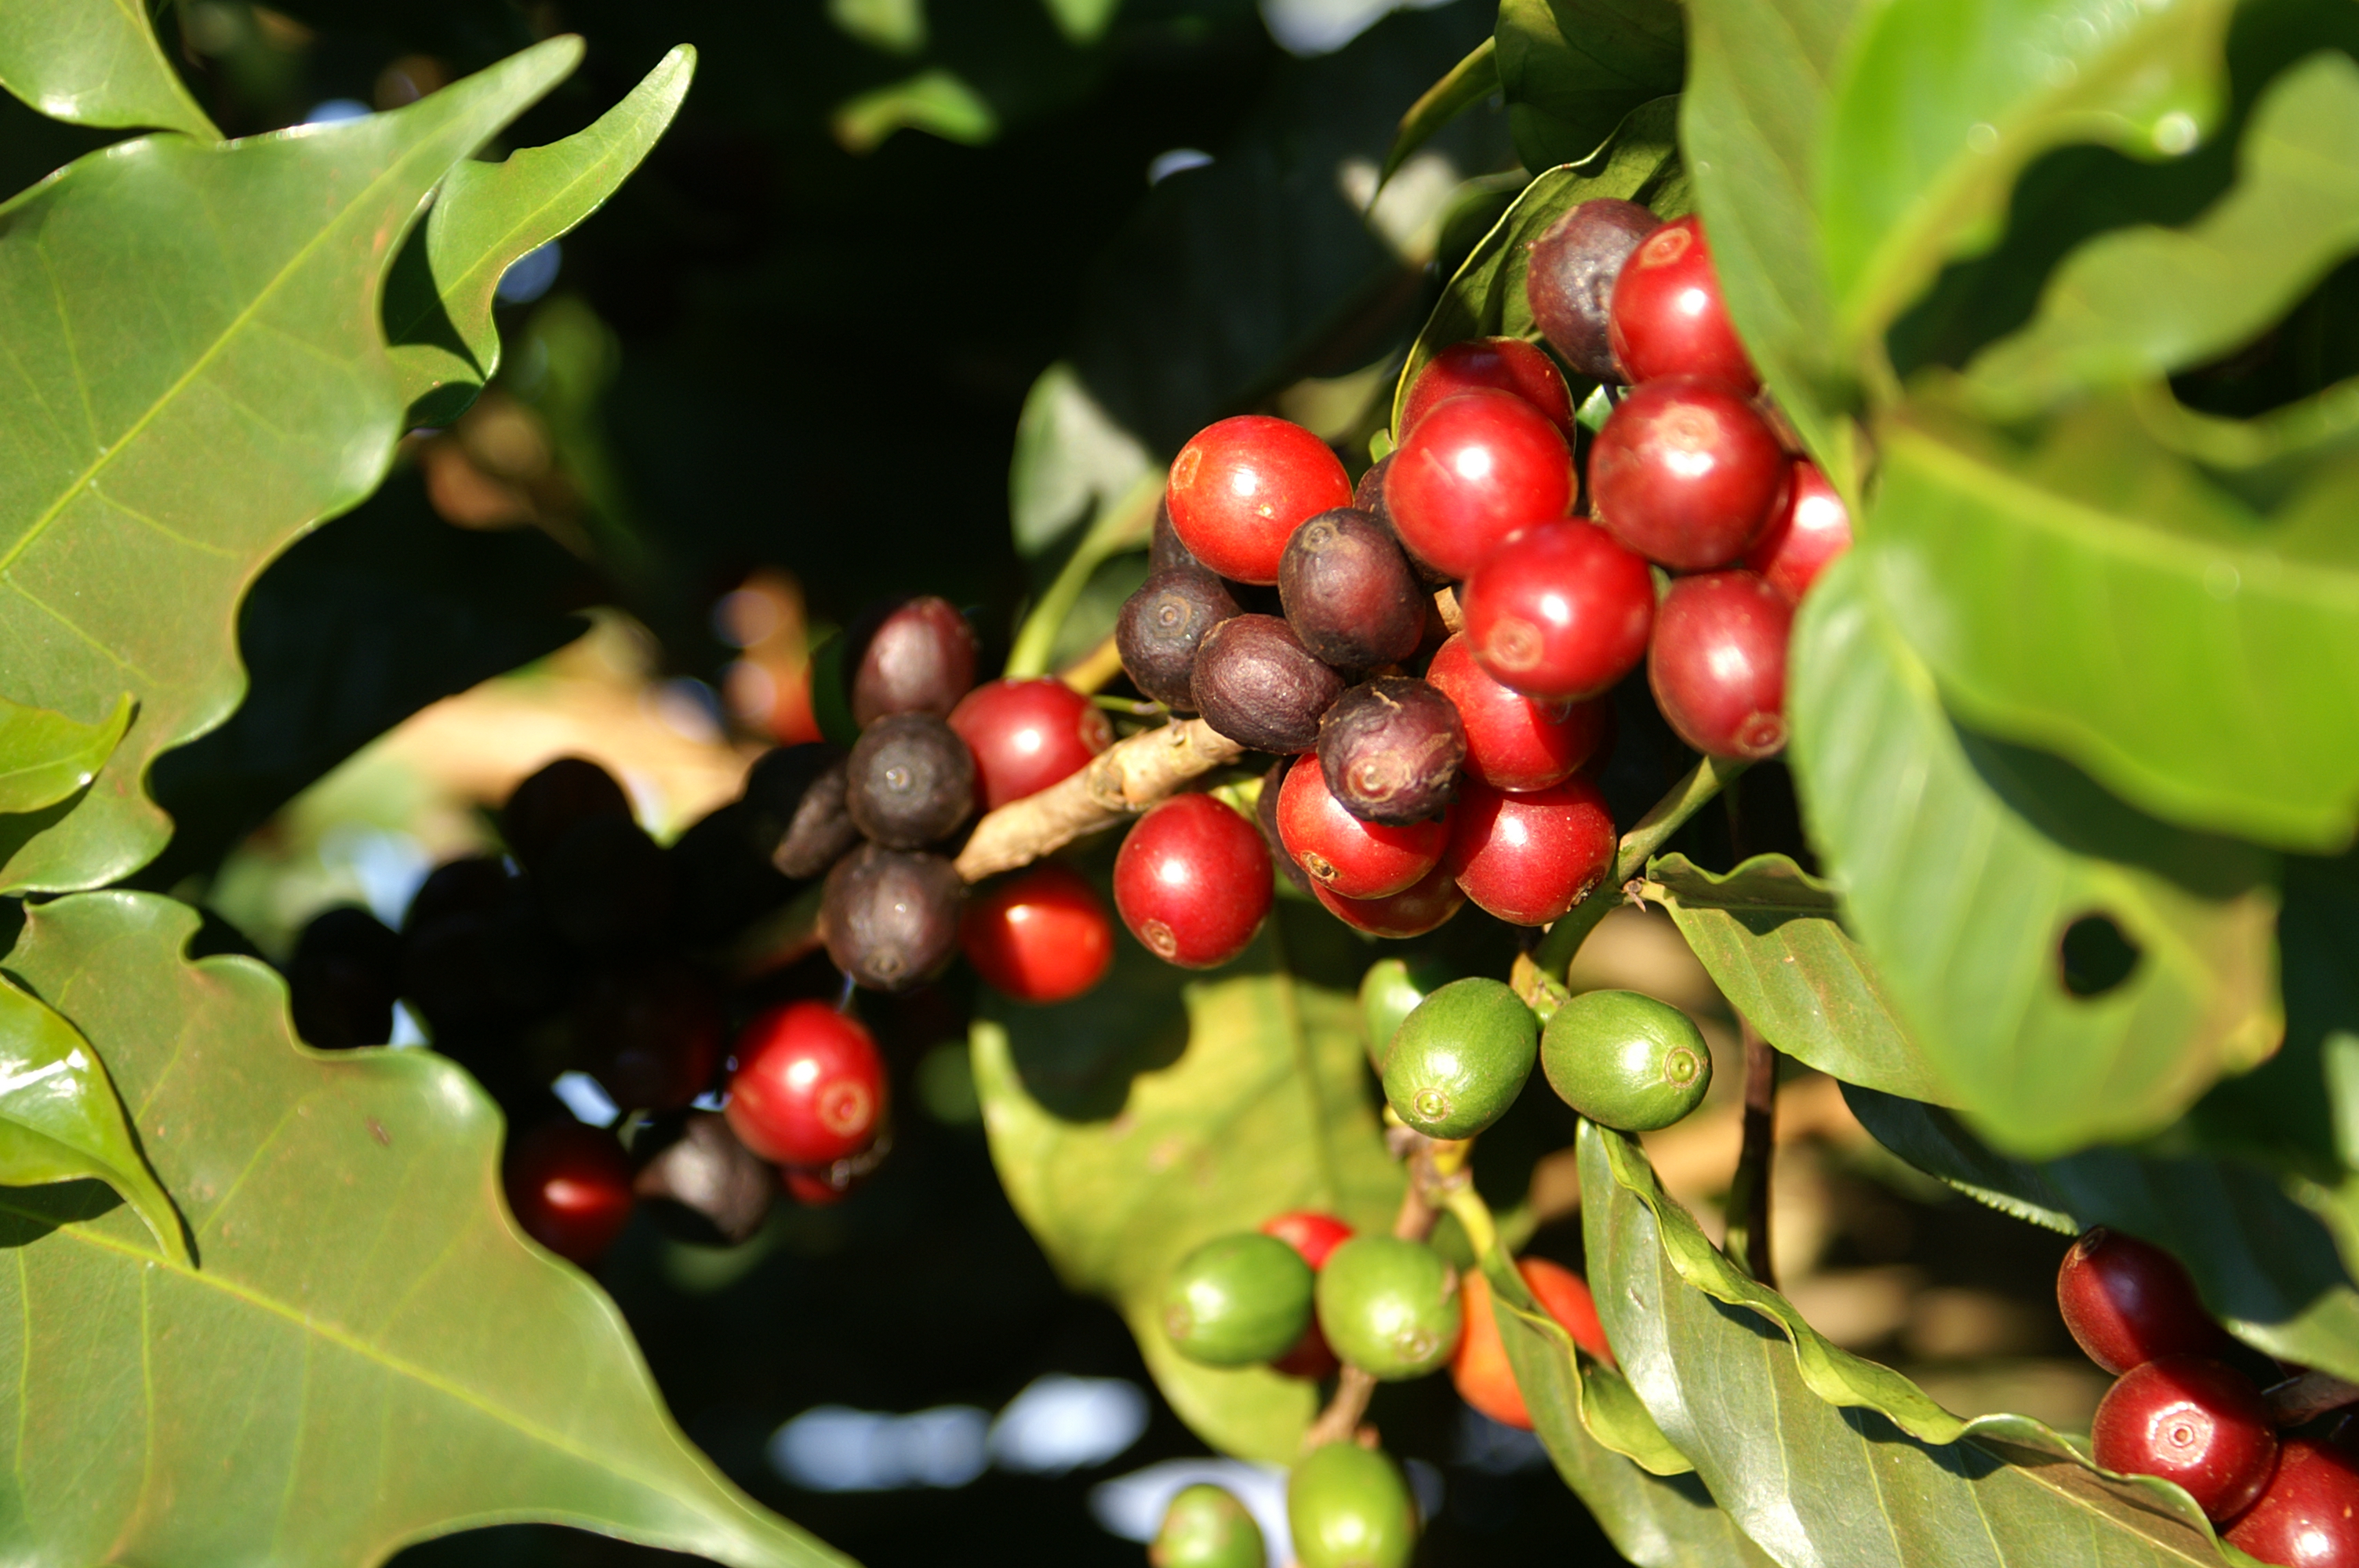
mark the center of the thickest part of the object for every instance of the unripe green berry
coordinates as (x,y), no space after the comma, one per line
(1348,1507)
(1460,1057)
(1389,991)
(1626,1061)
(1389,1307)
(1206,1527)
(1237,1300)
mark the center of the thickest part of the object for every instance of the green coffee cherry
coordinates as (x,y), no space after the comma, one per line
(1206,1527)
(1237,1300)
(1348,1508)
(1389,1307)
(1391,990)
(1459,1060)
(1626,1061)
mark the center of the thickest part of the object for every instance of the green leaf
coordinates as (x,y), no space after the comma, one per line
(95,63)
(369,1343)
(1572,69)
(1826,1459)
(1469,81)
(195,375)
(938,101)
(1072,461)
(45,757)
(1163,1109)
(2265,1264)
(2134,306)
(487,216)
(1772,937)
(1964,865)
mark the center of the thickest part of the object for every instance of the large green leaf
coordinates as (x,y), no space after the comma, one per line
(1464,85)
(438,300)
(94,62)
(368,1353)
(195,375)
(1571,69)
(1164,1109)
(1825,1459)
(1971,870)
(1771,936)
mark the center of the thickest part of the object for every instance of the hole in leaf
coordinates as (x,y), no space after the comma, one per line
(2095,957)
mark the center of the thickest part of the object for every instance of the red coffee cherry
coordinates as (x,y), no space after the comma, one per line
(1026,735)
(1040,935)
(2127,1302)
(1808,528)
(1413,913)
(1192,881)
(1717,665)
(1351,859)
(1685,473)
(2309,1517)
(1560,611)
(1240,488)
(1570,282)
(2192,1421)
(1313,1236)
(1513,742)
(569,1185)
(1480,1369)
(1529,858)
(1504,364)
(810,1086)
(1667,317)
(1478,467)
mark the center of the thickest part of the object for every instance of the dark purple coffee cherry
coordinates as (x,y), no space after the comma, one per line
(1265,817)
(914,656)
(1256,684)
(1390,750)
(1369,497)
(890,918)
(911,781)
(605,885)
(699,1182)
(553,802)
(1570,280)
(651,1033)
(794,802)
(476,883)
(1349,591)
(467,969)
(722,879)
(1165,551)
(1162,626)
(343,979)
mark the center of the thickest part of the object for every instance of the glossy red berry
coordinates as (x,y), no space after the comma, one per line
(1560,611)
(569,1185)
(1512,742)
(1478,467)
(1350,858)
(1040,936)
(1667,317)
(1685,473)
(1411,912)
(1026,735)
(2127,1302)
(810,1086)
(1717,665)
(1240,487)
(1313,1234)
(1529,858)
(1808,528)
(1504,364)
(1192,881)
(2192,1420)
(2309,1516)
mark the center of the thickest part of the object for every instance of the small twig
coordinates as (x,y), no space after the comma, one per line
(2308,1396)
(1445,604)
(1748,1194)
(1124,780)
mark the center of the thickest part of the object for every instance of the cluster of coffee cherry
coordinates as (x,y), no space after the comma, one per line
(2177,1410)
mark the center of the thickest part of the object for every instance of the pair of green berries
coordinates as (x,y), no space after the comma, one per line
(1454,1056)
(1387,1306)
(1346,1506)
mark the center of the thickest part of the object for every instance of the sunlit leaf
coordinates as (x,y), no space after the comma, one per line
(1571,69)
(45,757)
(95,63)
(1467,83)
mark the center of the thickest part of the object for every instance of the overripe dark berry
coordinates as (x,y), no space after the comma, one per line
(1667,317)
(1570,281)
(2309,1516)
(469,969)
(810,1085)
(1512,742)
(1041,936)
(1529,858)
(1026,735)
(651,1033)
(911,781)
(1412,912)
(1349,591)
(569,1185)
(1192,881)
(1560,611)
(472,884)
(2192,1420)
(1162,627)
(722,880)
(1165,551)
(1256,684)
(1478,467)
(343,980)
(2126,1302)
(1808,528)
(1368,496)
(605,885)
(1717,664)
(794,801)
(1503,364)
(1240,487)
(700,1183)
(913,655)
(1273,783)
(550,803)
(890,917)
(1390,750)
(1685,473)
(1350,857)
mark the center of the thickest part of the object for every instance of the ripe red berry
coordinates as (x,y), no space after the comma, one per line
(2309,1517)
(1039,936)
(1026,735)
(1717,664)
(2127,1302)
(1505,364)
(1192,881)
(1560,612)
(1529,858)
(569,1185)
(2192,1421)
(1478,467)
(1411,912)
(1808,528)
(1480,1368)
(1513,742)
(1350,858)
(1685,473)
(810,1086)
(1313,1236)
(1240,488)
(1667,317)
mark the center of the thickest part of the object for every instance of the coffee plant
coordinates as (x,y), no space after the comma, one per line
(1937,418)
